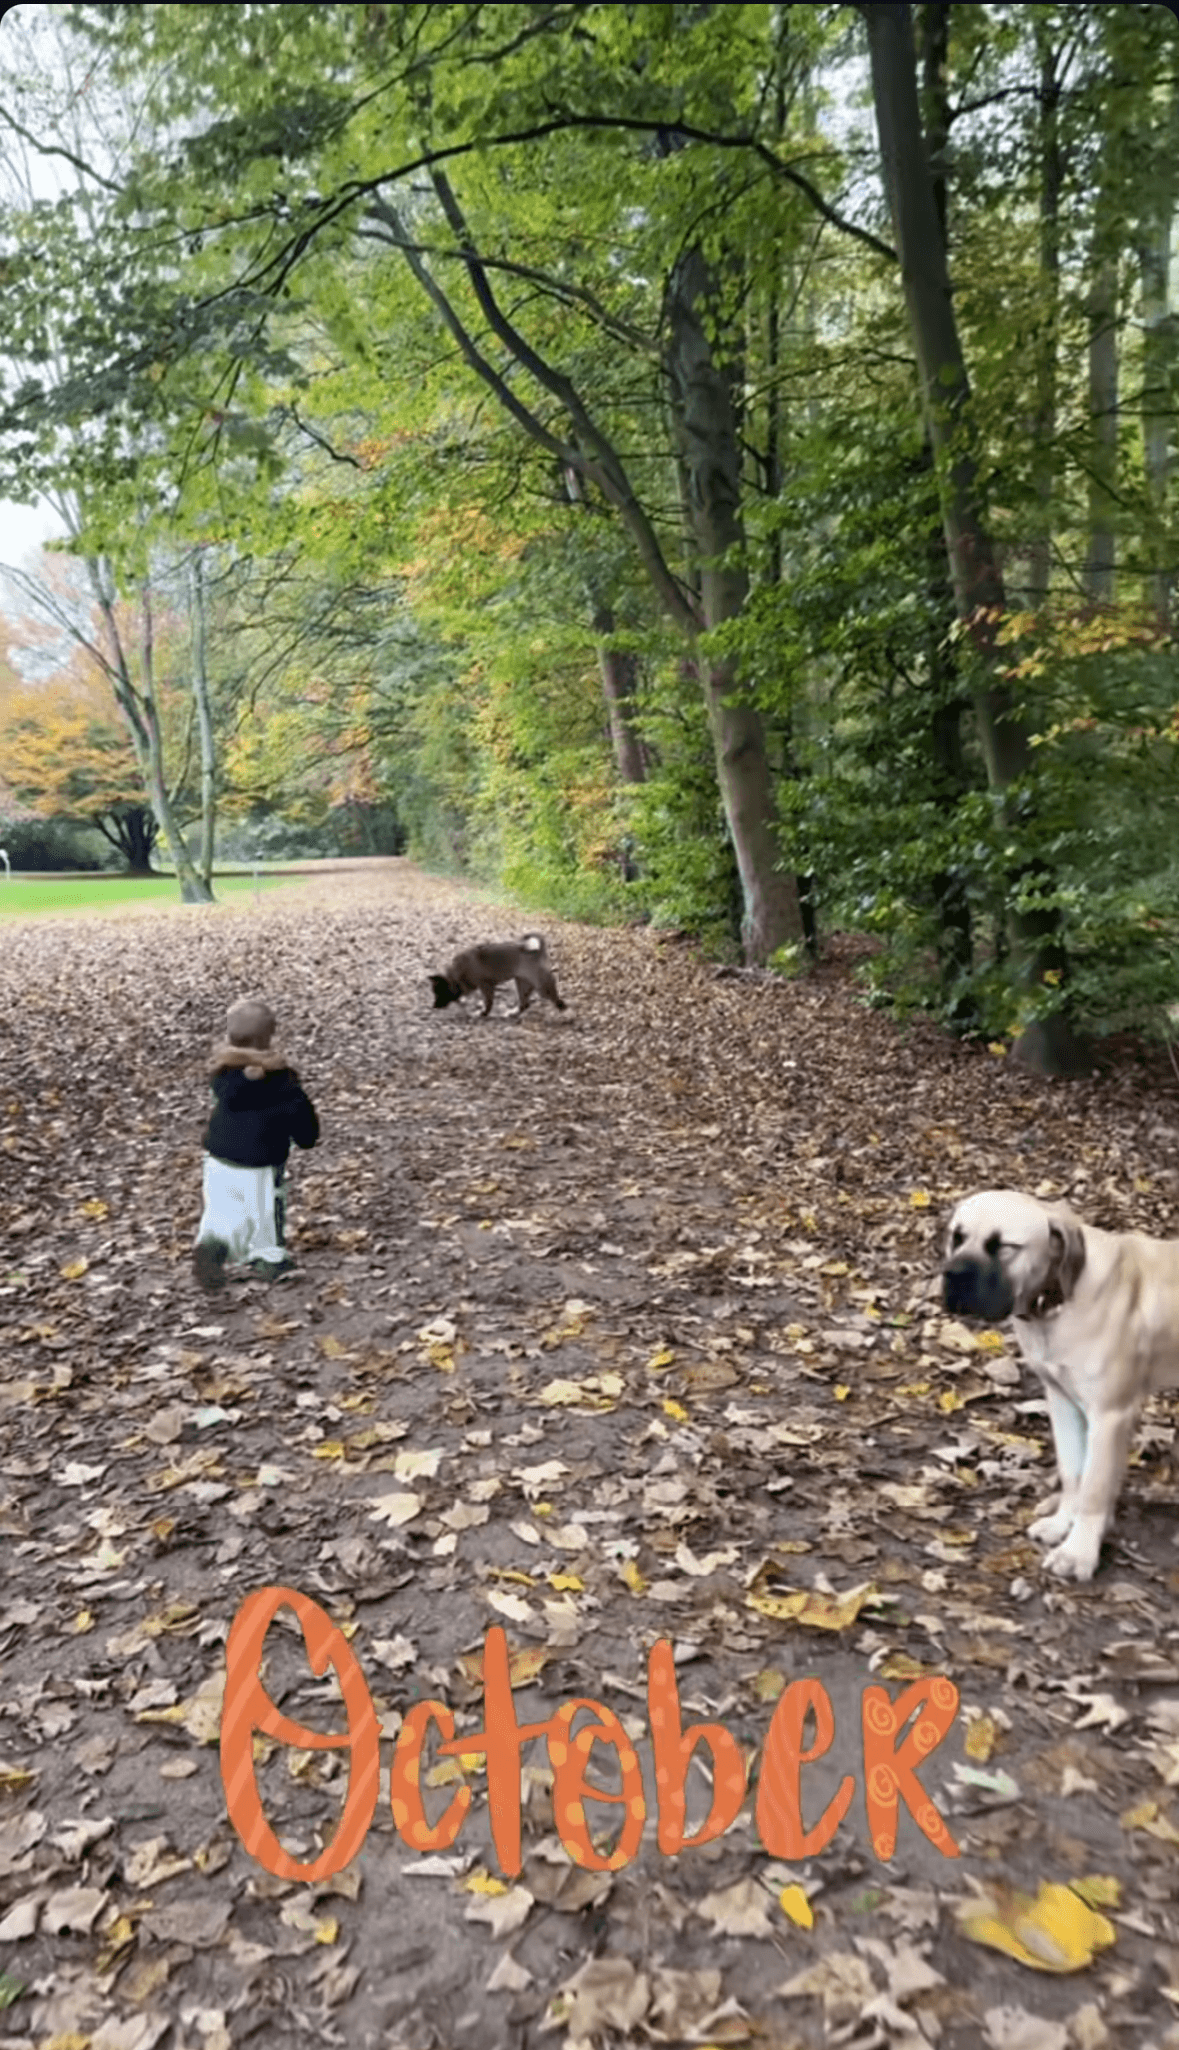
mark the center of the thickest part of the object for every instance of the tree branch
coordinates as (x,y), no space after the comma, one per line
(51,149)
(607,472)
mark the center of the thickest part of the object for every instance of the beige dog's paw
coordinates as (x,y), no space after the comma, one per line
(1050,1530)
(1076,1558)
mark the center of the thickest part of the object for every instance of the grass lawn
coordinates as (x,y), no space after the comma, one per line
(24,899)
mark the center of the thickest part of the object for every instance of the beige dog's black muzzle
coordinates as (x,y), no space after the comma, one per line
(976,1288)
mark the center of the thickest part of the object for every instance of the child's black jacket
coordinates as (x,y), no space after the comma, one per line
(254,1122)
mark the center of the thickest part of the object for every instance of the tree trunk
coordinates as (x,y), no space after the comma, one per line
(1046,331)
(1158,362)
(978,586)
(619,673)
(132,832)
(618,668)
(1101,554)
(704,424)
(933,26)
(139,710)
(204,718)
(955,940)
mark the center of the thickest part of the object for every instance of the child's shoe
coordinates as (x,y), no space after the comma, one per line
(273,1270)
(208,1264)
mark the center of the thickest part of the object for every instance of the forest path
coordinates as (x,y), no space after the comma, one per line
(609,1326)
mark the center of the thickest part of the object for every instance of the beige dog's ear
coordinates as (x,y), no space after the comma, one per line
(1068,1251)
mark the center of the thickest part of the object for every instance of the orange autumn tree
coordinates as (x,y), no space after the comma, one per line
(66,753)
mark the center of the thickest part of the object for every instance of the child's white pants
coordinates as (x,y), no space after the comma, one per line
(244,1208)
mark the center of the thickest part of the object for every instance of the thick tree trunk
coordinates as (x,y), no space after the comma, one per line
(704,423)
(955,942)
(978,586)
(132,832)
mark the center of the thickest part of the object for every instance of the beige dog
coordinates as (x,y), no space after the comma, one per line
(524,962)
(1097,1318)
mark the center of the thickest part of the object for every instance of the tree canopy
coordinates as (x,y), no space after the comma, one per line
(721,458)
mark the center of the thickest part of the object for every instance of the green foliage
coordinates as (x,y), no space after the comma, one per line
(45,845)
(687,875)
(421,559)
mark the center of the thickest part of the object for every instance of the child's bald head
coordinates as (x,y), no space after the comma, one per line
(250,1022)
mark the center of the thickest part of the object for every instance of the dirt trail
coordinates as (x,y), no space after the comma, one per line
(610,1327)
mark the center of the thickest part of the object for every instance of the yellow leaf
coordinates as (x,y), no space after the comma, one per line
(675,1410)
(82,1622)
(1054,1932)
(915,1388)
(899,1666)
(96,1208)
(1137,1818)
(948,1401)
(14,1778)
(804,1605)
(332,1448)
(74,1270)
(794,1903)
(841,1392)
(997,1047)
(633,1578)
(567,1583)
(981,1737)
(526,1665)
(1099,1890)
(919,1199)
(332,1347)
(769,1684)
(445,1774)
(659,1360)
(481,1881)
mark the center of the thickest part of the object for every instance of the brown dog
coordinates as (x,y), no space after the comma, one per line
(523,962)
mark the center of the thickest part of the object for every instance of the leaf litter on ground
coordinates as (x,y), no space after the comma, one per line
(636,1308)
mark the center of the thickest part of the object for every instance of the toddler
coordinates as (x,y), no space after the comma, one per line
(259,1108)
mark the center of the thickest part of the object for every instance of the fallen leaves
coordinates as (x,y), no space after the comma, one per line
(1054,1930)
(669,1391)
(808,1606)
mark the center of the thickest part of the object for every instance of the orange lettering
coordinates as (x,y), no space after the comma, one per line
(779,1801)
(248,1708)
(673,1747)
(890,1774)
(569,1756)
(503,1739)
(405,1783)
